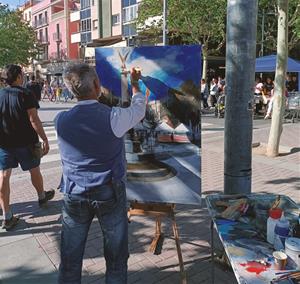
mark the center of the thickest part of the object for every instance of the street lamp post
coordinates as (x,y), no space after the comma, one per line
(261,53)
(240,67)
(165,23)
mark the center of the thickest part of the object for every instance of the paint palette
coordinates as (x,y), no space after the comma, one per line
(244,241)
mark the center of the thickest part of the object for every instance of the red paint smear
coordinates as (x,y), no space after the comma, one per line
(255,267)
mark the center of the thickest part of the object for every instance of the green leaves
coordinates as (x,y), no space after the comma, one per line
(194,21)
(17,38)
(269,9)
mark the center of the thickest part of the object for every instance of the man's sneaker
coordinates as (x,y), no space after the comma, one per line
(48,196)
(10,223)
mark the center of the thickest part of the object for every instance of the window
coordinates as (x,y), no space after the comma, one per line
(85,14)
(129,30)
(85,4)
(46,34)
(127,3)
(41,35)
(130,13)
(88,24)
(93,2)
(85,25)
(95,24)
(29,15)
(46,17)
(115,19)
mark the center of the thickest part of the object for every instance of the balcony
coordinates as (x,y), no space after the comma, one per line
(43,40)
(57,37)
(57,15)
(40,22)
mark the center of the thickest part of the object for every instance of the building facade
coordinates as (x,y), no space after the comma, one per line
(71,29)
(52,23)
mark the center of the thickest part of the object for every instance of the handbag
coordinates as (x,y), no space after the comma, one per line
(36,150)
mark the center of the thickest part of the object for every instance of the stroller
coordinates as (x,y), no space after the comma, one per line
(220,106)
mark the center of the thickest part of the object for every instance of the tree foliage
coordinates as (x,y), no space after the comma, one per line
(194,21)
(269,9)
(17,38)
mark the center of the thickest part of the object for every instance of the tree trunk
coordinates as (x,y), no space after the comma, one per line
(281,66)
(204,67)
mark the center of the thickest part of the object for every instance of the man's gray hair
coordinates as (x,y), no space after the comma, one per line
(79,79)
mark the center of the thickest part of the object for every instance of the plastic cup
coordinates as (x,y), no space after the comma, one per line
(280,260)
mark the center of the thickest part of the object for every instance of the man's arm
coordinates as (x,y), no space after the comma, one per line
(123,119)
(38,127)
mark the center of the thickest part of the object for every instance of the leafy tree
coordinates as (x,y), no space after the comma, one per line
(17,38)
(194,21)
(269,9)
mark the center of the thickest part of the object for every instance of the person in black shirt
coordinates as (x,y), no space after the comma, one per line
(35,88)
(20,129)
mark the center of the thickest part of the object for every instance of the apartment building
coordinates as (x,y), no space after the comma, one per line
(51,22)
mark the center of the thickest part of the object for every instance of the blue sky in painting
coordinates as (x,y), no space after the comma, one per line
(162,67)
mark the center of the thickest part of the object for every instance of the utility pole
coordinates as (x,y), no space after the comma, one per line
(67,19)
(165,23)
(262,34)
(240,72)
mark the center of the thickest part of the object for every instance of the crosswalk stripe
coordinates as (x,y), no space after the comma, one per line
(52,138)
(50,131)
(49,128)
(53,147)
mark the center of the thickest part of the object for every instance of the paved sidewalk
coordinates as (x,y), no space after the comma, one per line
(30,254)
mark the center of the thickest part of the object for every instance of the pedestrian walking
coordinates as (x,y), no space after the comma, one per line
(213,91)
(90,139)
(35,88)
(20,129)
(204,93)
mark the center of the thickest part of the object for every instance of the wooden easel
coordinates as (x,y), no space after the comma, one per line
(158,211)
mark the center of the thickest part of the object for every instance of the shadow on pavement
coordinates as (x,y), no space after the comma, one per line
(27,275)
(292,151)
(284,180)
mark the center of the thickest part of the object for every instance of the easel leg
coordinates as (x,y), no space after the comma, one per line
(176,236)
(156,244)
(212,252)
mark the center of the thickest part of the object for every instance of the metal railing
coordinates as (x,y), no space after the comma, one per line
(57,37)
(43,40)
(40,22)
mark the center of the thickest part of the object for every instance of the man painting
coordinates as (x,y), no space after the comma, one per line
(90,138)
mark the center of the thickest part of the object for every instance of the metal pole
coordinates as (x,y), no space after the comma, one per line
(67,19)
(165,23)
(262,33)
(240,72)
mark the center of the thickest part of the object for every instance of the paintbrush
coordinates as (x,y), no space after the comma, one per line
(276,202)
(287,271)
(294,275)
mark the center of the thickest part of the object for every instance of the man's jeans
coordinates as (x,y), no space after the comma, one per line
(108,203)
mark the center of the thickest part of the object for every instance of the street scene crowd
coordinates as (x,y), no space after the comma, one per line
(213,93)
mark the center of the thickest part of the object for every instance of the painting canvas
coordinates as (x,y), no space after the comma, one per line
(163,151)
